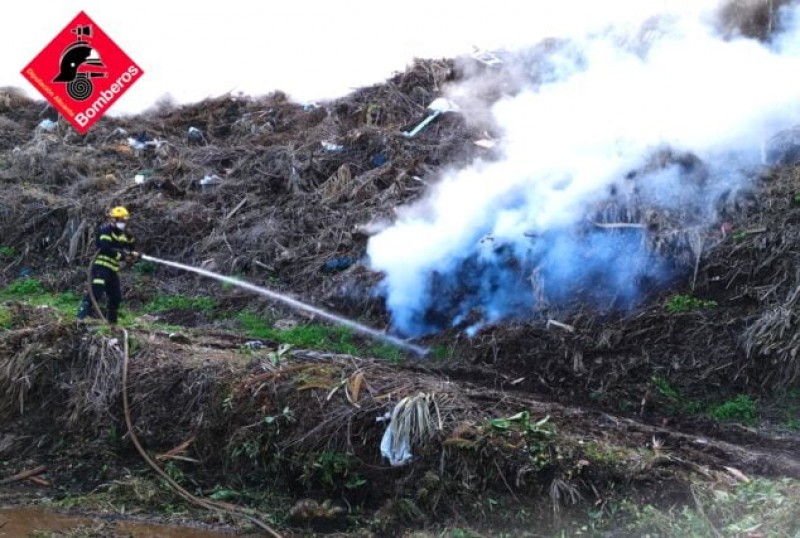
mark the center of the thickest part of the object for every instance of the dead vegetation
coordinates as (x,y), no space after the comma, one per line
(305,423)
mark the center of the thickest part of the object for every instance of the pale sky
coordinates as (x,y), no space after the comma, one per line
(311,49)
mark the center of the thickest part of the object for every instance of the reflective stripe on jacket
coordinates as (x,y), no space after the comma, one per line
(112,244)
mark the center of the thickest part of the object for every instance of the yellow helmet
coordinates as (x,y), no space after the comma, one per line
(119,212)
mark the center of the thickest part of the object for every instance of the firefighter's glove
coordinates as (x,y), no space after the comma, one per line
(133,257)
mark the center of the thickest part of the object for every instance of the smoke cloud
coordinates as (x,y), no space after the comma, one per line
(632,124)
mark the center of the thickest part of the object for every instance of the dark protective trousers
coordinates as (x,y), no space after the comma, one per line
(105,281)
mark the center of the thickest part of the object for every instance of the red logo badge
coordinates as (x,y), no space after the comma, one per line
(82,72)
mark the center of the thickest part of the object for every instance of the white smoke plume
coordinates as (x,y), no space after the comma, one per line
(503,238)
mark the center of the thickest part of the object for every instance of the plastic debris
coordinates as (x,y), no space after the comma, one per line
(143,141)
(485,143)
(411,422)
(254,344)
(142,177)
(330,146)
(210,181)
(310,106)
(379,159)
(398,453)
(439,106)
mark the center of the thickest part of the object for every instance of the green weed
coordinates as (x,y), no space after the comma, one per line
(674,401)
(685,303)
(7,252)
(741,408)
(664,388)
(145,267)
(333,468)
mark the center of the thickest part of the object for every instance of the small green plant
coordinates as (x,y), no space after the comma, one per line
(7,252)
(664,388)
(245,450)
(440,352)
(741,408)
(685,303)
(24,287)
(286,416)
(145,267)
(174,472)
(334,469)
(796,198)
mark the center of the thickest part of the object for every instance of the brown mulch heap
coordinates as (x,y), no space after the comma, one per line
(311,424)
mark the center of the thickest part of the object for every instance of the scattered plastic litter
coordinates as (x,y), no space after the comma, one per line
(439,106)
(143,141)
(379,159)
(254,344)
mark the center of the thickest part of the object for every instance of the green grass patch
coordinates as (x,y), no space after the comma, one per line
(686,303)
(441,352)
(741,408)
(7,252)
(332,338)
(6,319)
(759,507)
(23,287)
(164,303)
(32,292)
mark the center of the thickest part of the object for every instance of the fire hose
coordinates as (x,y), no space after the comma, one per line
(180,490)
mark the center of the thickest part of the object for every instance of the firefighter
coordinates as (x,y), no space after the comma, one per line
(113,245)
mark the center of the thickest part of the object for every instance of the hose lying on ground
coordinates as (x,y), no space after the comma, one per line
(180,490)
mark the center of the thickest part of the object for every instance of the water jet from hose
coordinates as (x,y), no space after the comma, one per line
(298,305)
